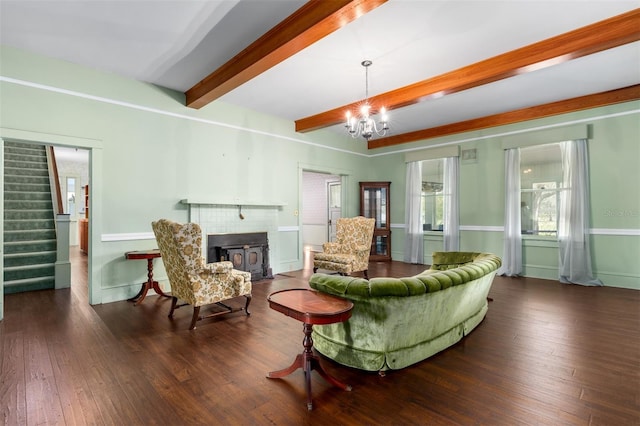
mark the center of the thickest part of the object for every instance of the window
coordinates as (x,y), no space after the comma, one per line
(540,186)
(334,194)
(432,203)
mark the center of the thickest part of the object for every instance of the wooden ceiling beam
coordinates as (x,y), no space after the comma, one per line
(627,94)
(597,37)
(313,21)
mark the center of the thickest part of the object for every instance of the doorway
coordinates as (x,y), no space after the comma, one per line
(73,174)
(94,149)
(321,205)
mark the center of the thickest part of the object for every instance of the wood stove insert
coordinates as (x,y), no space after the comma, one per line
(247,251)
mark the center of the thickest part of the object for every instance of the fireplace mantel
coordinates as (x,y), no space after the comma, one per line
(238,202)
(220,215)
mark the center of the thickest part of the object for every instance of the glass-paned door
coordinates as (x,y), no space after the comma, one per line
(335,207)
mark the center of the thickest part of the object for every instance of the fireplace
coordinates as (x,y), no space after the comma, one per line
(247,251)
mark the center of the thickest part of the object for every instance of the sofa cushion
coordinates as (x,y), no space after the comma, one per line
(432,284)
(456,278)
(414,286)
(445,281)
(474,272)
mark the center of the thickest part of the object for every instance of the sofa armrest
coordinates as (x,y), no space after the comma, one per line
(339,285)
(443,260)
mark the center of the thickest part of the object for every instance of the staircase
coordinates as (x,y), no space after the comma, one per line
(29,227)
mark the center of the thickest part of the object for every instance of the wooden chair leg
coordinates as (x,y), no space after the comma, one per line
(246,306)
(315,269)
(366,274)
(174,302)
(196,313)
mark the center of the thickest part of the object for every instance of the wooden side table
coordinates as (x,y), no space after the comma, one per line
(147,255)
(310,307)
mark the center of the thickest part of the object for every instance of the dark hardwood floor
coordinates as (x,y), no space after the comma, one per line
(546,354)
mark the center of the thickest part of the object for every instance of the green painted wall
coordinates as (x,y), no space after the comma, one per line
(149,151)
(615,193)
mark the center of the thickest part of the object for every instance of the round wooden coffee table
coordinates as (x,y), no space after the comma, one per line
(310,307)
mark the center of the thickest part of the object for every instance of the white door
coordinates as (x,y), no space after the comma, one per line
(334,207)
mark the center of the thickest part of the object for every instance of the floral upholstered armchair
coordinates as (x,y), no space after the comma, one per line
(192,280)
(350,252)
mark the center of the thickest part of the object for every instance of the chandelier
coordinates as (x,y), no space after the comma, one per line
(365,125)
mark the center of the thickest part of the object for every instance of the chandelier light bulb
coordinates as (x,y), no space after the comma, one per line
(383,114)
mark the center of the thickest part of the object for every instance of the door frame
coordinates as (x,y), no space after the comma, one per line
(94,280)
(345,196)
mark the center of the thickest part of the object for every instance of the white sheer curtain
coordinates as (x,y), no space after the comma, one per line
(413,240)
(573,220)
(512,251)
(451,233)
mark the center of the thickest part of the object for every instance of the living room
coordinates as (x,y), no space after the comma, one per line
(148,151)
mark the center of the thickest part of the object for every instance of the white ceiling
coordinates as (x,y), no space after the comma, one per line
(74,155)
(176,44)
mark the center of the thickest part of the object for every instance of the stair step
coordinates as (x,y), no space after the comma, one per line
(26,224)
(27,195)
(22,148)
(39,151)
(28,214)
(34,158)
(14,165)
(26,180)
(37,253)
(33,267)
(26,187)
(31,258)
(20,175)
(28,205)
(29,284)
(24,152)
(12,247)
(25,158)
(14,273)
(29,235)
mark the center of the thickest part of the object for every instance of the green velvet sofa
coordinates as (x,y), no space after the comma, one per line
(397,322)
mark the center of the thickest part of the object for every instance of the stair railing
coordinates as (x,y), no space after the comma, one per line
(54,180)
